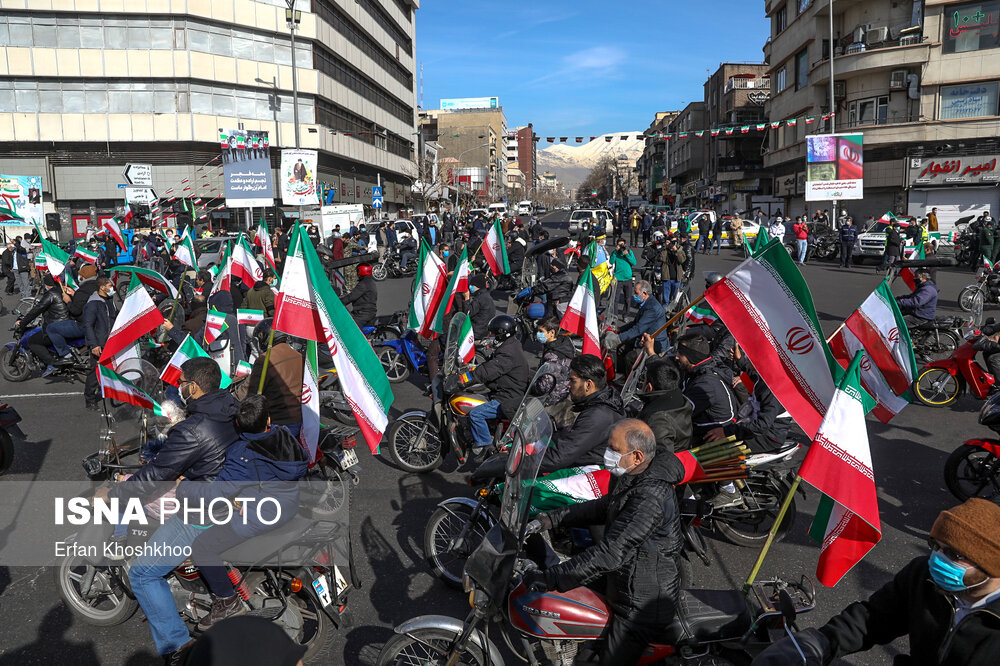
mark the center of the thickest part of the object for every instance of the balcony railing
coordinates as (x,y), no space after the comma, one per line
(873,122)
(864,47)
(747,84)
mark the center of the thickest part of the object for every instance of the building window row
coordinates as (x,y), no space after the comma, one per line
(406,10)
(340,22)
(383,19)
(970,100)
(142,33)
(971,26)
(340,119)
(30,96)
(339,70)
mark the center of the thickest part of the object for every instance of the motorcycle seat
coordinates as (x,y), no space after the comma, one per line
(709,615)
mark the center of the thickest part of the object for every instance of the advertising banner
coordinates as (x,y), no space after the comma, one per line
(21,196)
(246,169)
(298,178)
(834,167)
(470,103)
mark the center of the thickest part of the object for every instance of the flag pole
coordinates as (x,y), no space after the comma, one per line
(267,359)
(774,531)
(678,315)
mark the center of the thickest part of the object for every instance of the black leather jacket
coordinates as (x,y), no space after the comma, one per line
(585,442)
(195,447)
(51,306)
(364,296)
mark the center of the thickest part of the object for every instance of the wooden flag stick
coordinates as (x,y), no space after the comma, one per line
(774,531)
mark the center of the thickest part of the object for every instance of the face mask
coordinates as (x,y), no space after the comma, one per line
(947,574)
(541,337)
(611,460)
(472,289)
(637,299)
(445,254)
(184,400)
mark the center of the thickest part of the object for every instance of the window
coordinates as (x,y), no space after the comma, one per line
(339,70)
(333,15)
(870,111)
(779,80)
(971,27)
(780,19)
(969,100)
(803,5)
(802,69)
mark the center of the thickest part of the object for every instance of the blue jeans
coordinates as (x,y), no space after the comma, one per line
(702,243)
(152,590)
(670,289)
(405,258)
(58,331)
(478,418)
(803,245)
(716,242)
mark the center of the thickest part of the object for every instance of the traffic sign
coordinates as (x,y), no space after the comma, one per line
(140,195)
(138,174)
(376,197)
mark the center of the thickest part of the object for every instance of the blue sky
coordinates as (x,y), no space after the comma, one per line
(583,67)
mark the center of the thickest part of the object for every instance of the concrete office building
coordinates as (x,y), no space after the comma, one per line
(522,155)
(477,139)
(919,79)
(686,157)
(89,85)
(651,167)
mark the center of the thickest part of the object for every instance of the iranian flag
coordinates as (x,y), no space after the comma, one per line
(309,433)
(495,250)
(150,278)
(137,317)
(55,257)
(243,369)
(223,277)
(762,239)
(888,217)
(40,262)
(184,250)
(915,253)
(243,265)
(701,313)
(188,350)
(8,214)
(887,367)
(110,226)
(215,325)
(839,464)
(466,342)
(262,239)
(987,265)
(570,486)
(307,307)
(249,317)
(116,387)
(767,307)
(581,315)
(87,255)
(458,283)
(428,291)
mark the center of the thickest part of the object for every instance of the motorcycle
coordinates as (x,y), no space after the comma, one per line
(987,287)
(933,340)
(391,266)
(723,625)
(402,356)
(18,363)
(939,383)
(303,600)
(9,430)
(973,469)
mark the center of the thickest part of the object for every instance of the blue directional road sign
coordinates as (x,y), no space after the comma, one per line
(376,197)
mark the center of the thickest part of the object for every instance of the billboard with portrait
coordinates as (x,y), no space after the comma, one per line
(246,169)
(834,167)
(298,178)
(22,197)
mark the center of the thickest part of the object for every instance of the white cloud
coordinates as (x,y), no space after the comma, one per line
(595,62)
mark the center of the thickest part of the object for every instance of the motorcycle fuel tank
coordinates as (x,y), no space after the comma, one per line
(463,403)
(578,614)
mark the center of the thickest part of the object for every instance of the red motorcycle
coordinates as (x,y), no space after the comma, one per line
(711,626)
(939,383)
(973,469)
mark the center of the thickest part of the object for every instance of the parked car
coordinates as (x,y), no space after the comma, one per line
(603,216)
(498,209)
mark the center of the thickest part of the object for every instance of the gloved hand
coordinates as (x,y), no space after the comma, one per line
(534,580)
(541,523)
(783,653)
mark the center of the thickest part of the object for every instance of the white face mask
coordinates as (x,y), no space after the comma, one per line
(184,399)
(611,460)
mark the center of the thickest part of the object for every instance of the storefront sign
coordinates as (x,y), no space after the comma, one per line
(784,186)
(969,101)
(966,170)
(758,97)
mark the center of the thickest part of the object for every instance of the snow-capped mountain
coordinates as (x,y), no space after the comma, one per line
(571,162)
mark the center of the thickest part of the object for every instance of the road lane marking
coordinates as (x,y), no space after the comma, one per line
(39,395)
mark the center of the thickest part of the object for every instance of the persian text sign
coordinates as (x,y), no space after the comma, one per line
(834,167)
(246,168)
(965,170)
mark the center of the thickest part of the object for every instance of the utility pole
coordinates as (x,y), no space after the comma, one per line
(833,110)
(293,17)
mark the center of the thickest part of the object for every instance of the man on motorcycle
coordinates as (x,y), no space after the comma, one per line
(67,329)
(665,409)
(638,555)
(99,315)
(407,251)
(947,603)
(283,381)
(920,307)
(364,296)
(53,308)
(505,375)
(480,307)
(557,289)
(649,319)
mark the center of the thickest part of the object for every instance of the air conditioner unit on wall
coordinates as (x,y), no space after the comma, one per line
(859,35)
(877,35)
(897,79)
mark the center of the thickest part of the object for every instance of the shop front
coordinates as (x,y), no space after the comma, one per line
(961,187)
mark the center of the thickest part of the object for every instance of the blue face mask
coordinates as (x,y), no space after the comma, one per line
(472,289)
(541,337)
(445,253)
(637,298)
(947,574)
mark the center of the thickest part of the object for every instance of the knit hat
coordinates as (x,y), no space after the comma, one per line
(478,281)
(696,348)
(972,530)
(88,271)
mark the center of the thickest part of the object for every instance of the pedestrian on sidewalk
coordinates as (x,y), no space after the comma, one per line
(801,230)
(848,235)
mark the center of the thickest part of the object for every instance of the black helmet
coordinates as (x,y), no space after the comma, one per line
(989,414)
(262,333)
(502,327)
(711,277)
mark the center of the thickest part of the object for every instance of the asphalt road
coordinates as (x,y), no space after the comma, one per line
(391,508)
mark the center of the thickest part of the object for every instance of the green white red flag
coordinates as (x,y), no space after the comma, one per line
(138,316)
(150,278)
(495,250)
(89,256)
(55,257)
(458,283)
(116,387)
(428,291)
(262,239)
(767,307)
(243,369)
(184,251)
(888,217)
(243,264)
(309,432)
(839,464)
(701,313)
(570,486)
(887,367)
(581,315)
(9,214)
(915,253)
(307,307)
(249,317)
(224,277)
(187,350)
(466,342)
(110,225)
(215,325)
(40,262)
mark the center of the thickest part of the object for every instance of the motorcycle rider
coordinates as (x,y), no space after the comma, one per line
(665,410)
(407,251)
(260,296)
(638,556)
(557,289)
(364,296)
(480,307)
(989,344)
(920,307)
(70,328)
(947,603)
(649,319)
(506,376)
(53,308)
(98,317)
(553,388)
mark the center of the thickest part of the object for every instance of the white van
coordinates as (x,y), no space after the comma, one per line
(498,208)
(525,208)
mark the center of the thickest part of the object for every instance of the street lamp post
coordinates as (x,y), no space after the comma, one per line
(293,17)
(833,107)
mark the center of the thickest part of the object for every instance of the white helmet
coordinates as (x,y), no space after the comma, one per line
(657,235)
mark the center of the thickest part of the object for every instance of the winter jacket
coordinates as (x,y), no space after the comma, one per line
(672,263)
(922,302)
(585,441)
(195,448)
(712,399)
(98,317)
(558,287)
(516,247)
(668,414)
(622,262)
(554,387)
(760,428)
(80,297)
(273,458)
(282,383)
(777,230)
(641,545)
(505,375)
(912,605)
(260,297)
(650,318)
(848,234)
(893,242)
(50,306)
(481,309)
(364,296)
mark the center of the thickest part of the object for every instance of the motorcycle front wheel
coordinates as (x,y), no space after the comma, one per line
(15,365)
(449,539)
(966,296)
(750,524)
(971,471)
(93,593)
(426,646)
(936,387)
(415,448)
(379,272)
(397,369)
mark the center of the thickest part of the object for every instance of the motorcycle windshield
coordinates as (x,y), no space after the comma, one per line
(530,434)
(450,365)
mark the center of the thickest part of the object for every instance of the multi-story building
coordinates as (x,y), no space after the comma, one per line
(476,138)
(919,80)
(686,156)
(525,154)
(89,85)
(651,167)
(734,97)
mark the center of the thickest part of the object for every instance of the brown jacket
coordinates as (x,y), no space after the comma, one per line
(282,384)
(260,297)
